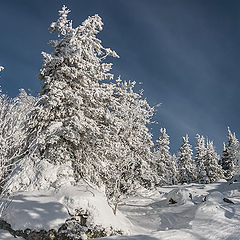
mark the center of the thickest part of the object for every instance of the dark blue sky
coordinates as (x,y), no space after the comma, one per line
(185,52)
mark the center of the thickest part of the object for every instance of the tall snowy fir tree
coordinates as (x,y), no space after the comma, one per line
(214,171)
(231,156)
(200,159)
(81,120)
(68,122)
(186,167)
(162,164)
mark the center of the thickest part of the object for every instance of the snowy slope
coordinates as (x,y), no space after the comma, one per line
(35,210)
(204,217)
(183,212)
(50,208)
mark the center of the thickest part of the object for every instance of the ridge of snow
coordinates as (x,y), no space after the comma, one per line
(50,208)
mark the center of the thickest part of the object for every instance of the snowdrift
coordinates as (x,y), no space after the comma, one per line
(41,195)
(49,209)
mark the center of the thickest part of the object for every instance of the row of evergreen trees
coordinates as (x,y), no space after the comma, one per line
(97,126)
(205,167)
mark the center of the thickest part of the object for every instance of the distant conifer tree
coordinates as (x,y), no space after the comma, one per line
(231,156)
(200,160)
(163,164)
(213,169)
(186,167)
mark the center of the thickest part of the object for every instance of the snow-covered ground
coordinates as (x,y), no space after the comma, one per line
(183,212)
(204,217)
(49,209)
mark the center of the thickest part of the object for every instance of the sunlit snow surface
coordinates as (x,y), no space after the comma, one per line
(199,214)
(35,210)
(49,209)
(204,217)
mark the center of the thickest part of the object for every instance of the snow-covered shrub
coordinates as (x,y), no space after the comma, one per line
(13,114)
(34,174)
(130,139)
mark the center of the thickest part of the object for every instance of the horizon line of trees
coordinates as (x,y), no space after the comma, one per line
(206,166)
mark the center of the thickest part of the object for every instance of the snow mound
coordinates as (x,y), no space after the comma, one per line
(34,174)
(215,198)
(216,218)
(50,208)
(179,196)
(44,195)
(232,187)
(94,204)
(235,179)
(35,210)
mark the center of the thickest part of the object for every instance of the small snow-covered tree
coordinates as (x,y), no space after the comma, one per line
(231,156)
(130,138)
(162,163)
(186,167)
(132,114)
(4,161)
(13,113)
(200,160)
(213,170)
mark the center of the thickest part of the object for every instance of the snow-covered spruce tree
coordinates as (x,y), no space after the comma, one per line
(68,121)
(130,114)
(200,159)
(214,171)
(186,168)
(231,156)
(13,114)
(81,121)
(162,164)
